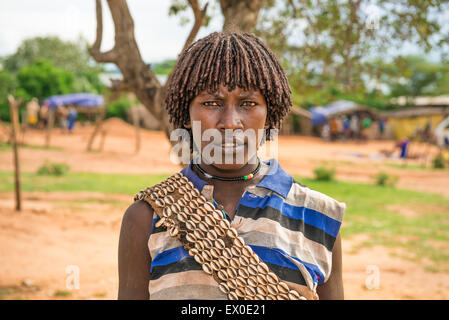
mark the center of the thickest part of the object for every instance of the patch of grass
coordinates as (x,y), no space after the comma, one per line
(5,292)
(8,147)
(413,167)
(385,179)
(98,200)
(75,181)
(367,213)
(62,293)
(370,208)
(53,169)
(438,162)
(100,294)
(324,174)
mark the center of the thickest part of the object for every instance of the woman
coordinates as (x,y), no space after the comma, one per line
(230,82)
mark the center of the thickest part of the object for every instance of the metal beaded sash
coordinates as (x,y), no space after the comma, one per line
(212,242)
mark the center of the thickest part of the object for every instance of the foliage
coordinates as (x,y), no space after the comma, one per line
(385,179)
(118,108)
(179,8)
(53,169)
(324,174)
(8,83)
(438,162)
(328,47)
(42,79)
(412,76)
(165,67)
(43,66)
(71,56)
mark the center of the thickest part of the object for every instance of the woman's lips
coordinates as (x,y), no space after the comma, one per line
(230,147)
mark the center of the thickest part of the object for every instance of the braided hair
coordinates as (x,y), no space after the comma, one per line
(233,60)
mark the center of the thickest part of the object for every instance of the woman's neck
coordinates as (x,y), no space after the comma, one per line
(232,186)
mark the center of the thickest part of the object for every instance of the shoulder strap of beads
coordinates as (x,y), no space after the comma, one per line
(212,242)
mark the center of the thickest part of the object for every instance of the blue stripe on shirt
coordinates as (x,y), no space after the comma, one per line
(170,256)
(309,216)
(279,258)
(270,255)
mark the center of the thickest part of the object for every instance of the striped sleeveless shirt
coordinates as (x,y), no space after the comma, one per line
(289,226)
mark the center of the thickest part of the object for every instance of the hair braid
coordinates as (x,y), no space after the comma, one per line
(233,60)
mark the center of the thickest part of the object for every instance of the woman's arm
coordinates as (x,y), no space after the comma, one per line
(333,288)
(134,260)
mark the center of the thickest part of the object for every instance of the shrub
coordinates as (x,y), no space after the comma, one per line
(438,162)
(53,169)
(62,293)
(324,174)
(385,179)
(118,108)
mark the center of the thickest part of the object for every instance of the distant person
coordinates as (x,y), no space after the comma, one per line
(43,115)
(326,132)
(347,128)
(367,122)
(427,132)
(340,130)
(62,114)
(355,127)
(32,111)
(403,145)
(71,118)
(365,128)
(333,128)
(381,128)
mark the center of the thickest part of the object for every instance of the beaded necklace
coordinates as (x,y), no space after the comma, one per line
(244,178)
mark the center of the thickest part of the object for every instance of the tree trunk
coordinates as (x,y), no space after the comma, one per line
(240,15)
(137,76)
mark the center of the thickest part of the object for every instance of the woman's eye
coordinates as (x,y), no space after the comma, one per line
(249,103)
(210,103)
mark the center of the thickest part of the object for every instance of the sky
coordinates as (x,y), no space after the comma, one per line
(158,35)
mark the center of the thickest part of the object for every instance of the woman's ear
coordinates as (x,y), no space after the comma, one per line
(187,125)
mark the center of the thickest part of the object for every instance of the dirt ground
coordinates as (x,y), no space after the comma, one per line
(60,235)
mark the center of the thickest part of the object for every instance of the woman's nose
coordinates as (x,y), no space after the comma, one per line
(230,119)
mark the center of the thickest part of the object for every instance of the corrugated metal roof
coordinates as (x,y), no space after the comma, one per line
(422,101)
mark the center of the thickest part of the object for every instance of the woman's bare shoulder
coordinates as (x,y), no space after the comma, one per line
(138,213)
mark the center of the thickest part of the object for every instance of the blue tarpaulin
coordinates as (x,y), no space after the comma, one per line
(75,99)
(320,114)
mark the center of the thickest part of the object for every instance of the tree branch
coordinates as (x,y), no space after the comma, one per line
(109,56)
(200,15)
(240,15)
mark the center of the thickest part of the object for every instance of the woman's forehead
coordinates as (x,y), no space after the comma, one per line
(224,90)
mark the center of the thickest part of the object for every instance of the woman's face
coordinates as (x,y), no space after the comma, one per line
(236,120)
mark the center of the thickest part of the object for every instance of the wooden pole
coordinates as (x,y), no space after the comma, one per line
(99,122)
(136,121)
(103,137)
(14,107)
